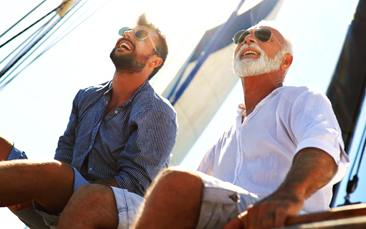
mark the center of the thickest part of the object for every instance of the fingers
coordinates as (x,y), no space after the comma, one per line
(26,205)
(265,216)
(239,222)
(233,224)
(14,208)
(260,216)
(280,217)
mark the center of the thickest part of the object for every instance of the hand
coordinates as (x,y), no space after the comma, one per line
(270,212)
(26,205)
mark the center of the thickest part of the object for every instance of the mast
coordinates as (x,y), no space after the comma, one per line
(346,90)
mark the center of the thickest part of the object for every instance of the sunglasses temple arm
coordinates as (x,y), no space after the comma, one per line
(153,44)
(277,41)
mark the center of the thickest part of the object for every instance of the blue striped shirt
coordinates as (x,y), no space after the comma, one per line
(132,143)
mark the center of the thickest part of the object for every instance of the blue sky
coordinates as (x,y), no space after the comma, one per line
(35,107)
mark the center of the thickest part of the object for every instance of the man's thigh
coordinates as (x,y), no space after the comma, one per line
(221,202)
(29,217)
(38,216)
(52,219)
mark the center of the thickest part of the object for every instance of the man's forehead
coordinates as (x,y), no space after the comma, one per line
(262,26)
(144,28)
(273,30)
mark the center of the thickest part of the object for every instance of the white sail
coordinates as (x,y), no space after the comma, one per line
(211,84)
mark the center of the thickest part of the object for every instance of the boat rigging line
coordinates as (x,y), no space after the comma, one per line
(22,18)
(43,34)
(352,184)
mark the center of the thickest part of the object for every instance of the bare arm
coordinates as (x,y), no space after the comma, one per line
(311,169)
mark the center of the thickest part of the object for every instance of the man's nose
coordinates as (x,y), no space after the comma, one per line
(128,34)
(250,39)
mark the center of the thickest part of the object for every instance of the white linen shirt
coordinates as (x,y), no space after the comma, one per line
(257,154)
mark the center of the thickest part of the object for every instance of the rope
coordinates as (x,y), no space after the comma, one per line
(29,27)
(52,44)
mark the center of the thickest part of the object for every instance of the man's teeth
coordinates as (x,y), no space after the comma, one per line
(250,52)
(125,46)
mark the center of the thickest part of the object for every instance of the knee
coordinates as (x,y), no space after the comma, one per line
(178,177)
(5,143)
(92,193)
(5,148)
(86,190)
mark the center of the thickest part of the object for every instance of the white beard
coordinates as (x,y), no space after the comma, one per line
(253,67)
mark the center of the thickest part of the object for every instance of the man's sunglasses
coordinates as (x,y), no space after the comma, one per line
(140,34)
(263,35)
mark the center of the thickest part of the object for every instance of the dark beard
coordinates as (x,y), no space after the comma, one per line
(129,63)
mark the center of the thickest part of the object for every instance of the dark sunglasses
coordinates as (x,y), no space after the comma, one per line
(140,34)
(263,35)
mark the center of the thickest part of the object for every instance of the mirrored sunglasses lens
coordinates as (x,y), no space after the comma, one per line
(263,34)
(141,34)
(240,36)
(123,30)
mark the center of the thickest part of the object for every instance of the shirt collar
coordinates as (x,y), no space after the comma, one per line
(241,106)
(109,87)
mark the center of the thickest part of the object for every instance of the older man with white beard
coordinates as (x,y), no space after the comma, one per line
(280,158)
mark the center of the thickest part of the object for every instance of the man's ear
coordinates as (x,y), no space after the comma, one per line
(156,62)
(286,61)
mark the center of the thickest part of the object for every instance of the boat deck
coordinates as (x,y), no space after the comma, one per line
(352,216)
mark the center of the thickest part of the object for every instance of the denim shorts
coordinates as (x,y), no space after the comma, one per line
(222,202)
(127,203)
(16,154)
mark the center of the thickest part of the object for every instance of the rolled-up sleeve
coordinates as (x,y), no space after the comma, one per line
(66,142)
(147,150)
(315,125)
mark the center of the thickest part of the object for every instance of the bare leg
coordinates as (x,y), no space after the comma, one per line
(49,183)
(37,221)
(173,201)
(5,148)
(91,206)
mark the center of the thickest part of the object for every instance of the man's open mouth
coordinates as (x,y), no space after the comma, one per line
(250,52)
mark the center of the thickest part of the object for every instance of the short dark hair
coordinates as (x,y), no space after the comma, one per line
(161,47)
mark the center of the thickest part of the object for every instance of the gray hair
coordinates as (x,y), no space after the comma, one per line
(288,44)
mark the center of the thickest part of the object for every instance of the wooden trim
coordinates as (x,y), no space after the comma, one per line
(335,213)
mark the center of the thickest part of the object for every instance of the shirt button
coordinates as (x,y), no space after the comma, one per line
(116,112)
(90,168)
(235,197)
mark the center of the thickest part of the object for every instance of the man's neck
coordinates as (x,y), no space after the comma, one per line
(124,87)
(256,88)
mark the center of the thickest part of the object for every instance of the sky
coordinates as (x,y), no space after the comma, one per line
(35,107)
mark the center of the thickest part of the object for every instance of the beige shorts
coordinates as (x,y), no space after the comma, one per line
(222,202)
(128,204)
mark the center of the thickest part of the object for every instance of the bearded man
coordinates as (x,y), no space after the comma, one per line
(280,158)
(120,134)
